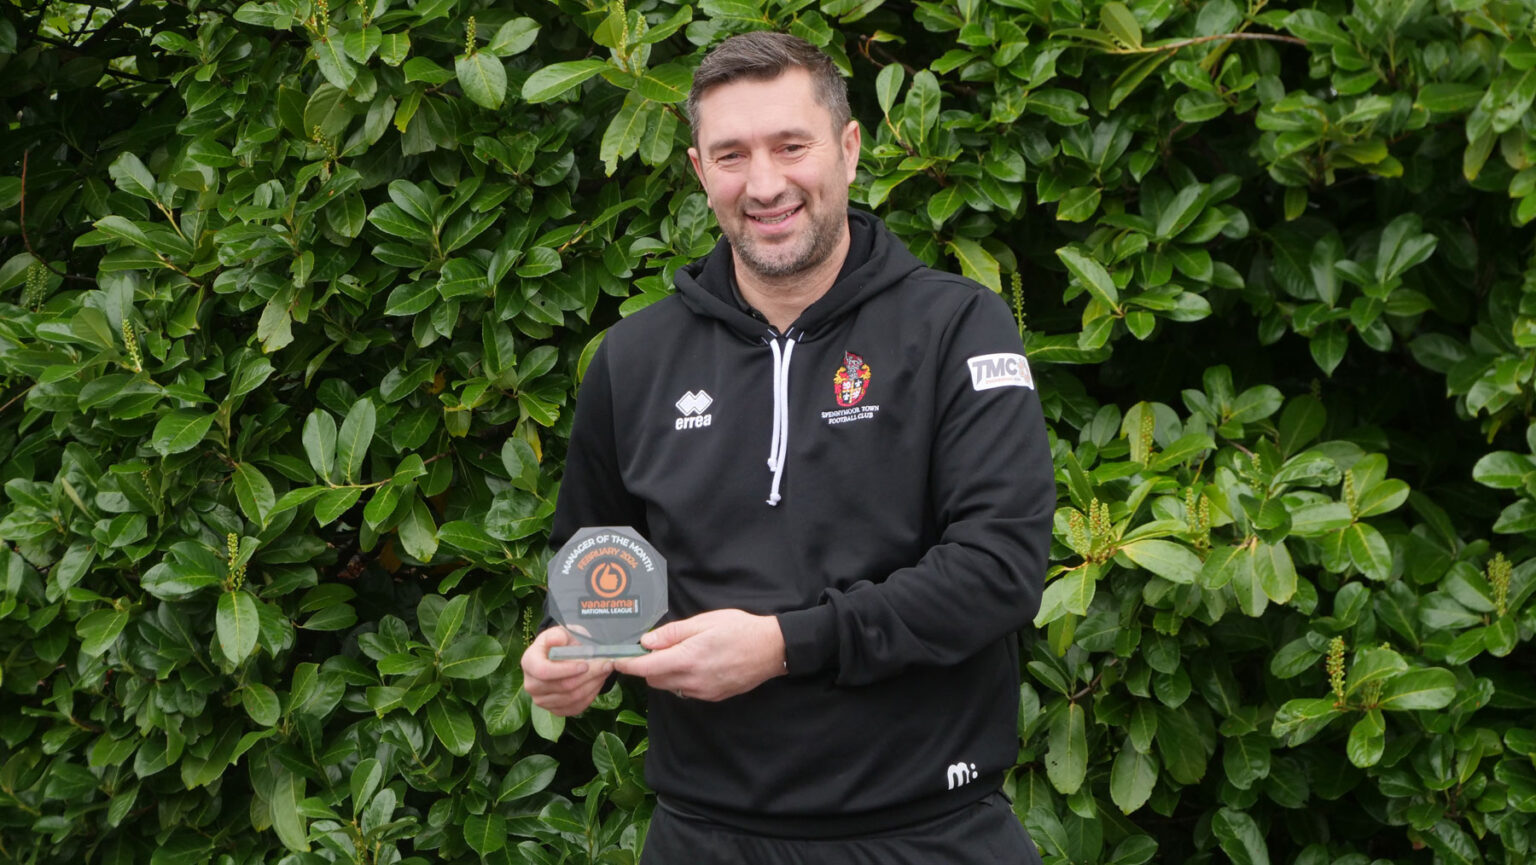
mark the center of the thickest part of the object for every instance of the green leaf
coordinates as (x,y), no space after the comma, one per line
(1503,470)
(132,177)
(976,263)
(411,298)
(1274,571)
(360,45)
(450,618)
(1079,204)
(254,493)
(180,431)
(485,833)
(1171,561)
(122,229)
(1066,756)
(1450,98)
(1132,778)
(334,63)
(320,442)
(1246,759)
(888,85)
(237,624)
(452,725)
(558,78)
(1368,551)
(261,703)
(1121,24)
(609,757)
(1367,740)
(253,371)
(472,658)
(1069,594)
(548,726)
(1382,498)
(1300,423)
(623,134)
(923,101)
(99,630)
(666,84)
(515,514)
(1452,846)
(283,804)
(334,503)
(394,48)
(1092,275)
(514,37)
(353,441)
(1429,688)
(942,206)
(418,531)
(1183,753)
(1373,664)
(1328,346)
(1240,838)
(530,775)
(539,261)
(483,78)
(329,109)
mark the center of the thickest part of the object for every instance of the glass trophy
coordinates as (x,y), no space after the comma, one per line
(607,586)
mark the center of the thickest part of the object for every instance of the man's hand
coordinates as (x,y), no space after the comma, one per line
(710,656)
(562,687)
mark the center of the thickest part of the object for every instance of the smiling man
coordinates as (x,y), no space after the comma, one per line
(839,679)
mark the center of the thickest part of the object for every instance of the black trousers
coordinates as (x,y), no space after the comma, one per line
(986,833)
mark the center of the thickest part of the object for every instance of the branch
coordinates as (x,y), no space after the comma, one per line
(1201,40)
(12,401)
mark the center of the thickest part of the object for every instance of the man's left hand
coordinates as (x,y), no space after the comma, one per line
(710,656)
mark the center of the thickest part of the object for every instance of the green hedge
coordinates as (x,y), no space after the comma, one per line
(294,300)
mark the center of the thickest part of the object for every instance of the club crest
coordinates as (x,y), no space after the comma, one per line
(851,382)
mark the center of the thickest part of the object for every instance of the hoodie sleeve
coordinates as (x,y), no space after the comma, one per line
(592,492)
(993,492)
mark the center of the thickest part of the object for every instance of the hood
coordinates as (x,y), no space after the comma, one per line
(876,261)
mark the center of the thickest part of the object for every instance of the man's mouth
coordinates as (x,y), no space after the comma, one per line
(774,218)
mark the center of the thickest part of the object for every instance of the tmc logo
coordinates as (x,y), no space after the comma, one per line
(692,406)
(1000,370)
(959,774)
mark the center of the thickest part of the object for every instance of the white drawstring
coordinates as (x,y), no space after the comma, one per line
(778,446)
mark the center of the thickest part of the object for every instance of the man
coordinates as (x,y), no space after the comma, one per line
(839,681)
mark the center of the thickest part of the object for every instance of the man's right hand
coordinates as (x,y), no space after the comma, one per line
(561,687)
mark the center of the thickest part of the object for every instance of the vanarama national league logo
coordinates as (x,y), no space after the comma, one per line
(851,382)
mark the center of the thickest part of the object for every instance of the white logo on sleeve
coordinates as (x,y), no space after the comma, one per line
(959,774)
(692,407)
(1000,370)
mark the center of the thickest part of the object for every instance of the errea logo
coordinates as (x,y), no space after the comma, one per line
(692,406)
(1000,370)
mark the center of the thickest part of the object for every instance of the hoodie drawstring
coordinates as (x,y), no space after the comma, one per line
(778,447)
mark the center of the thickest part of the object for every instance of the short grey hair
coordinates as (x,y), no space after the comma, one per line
(762,56)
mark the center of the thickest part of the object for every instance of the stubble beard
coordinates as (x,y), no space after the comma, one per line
(811,248)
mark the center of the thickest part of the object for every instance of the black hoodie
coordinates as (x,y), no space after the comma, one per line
(901,542)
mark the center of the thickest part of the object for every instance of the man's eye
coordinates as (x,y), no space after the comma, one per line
(794,148)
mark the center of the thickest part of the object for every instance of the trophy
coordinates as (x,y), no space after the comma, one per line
(607,586)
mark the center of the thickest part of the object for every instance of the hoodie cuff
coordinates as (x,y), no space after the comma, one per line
(810,639)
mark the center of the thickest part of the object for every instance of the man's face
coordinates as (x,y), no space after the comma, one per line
(776,171)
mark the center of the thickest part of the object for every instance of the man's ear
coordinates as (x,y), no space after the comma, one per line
(851,140)
(698,169)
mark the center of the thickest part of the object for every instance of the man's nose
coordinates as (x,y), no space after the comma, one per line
(765,182)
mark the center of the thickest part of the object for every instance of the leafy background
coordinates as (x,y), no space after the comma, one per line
(294,300)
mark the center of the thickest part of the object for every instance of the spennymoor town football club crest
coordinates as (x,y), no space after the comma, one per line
(852,380)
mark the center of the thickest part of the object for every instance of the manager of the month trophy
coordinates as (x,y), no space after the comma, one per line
(607,586)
